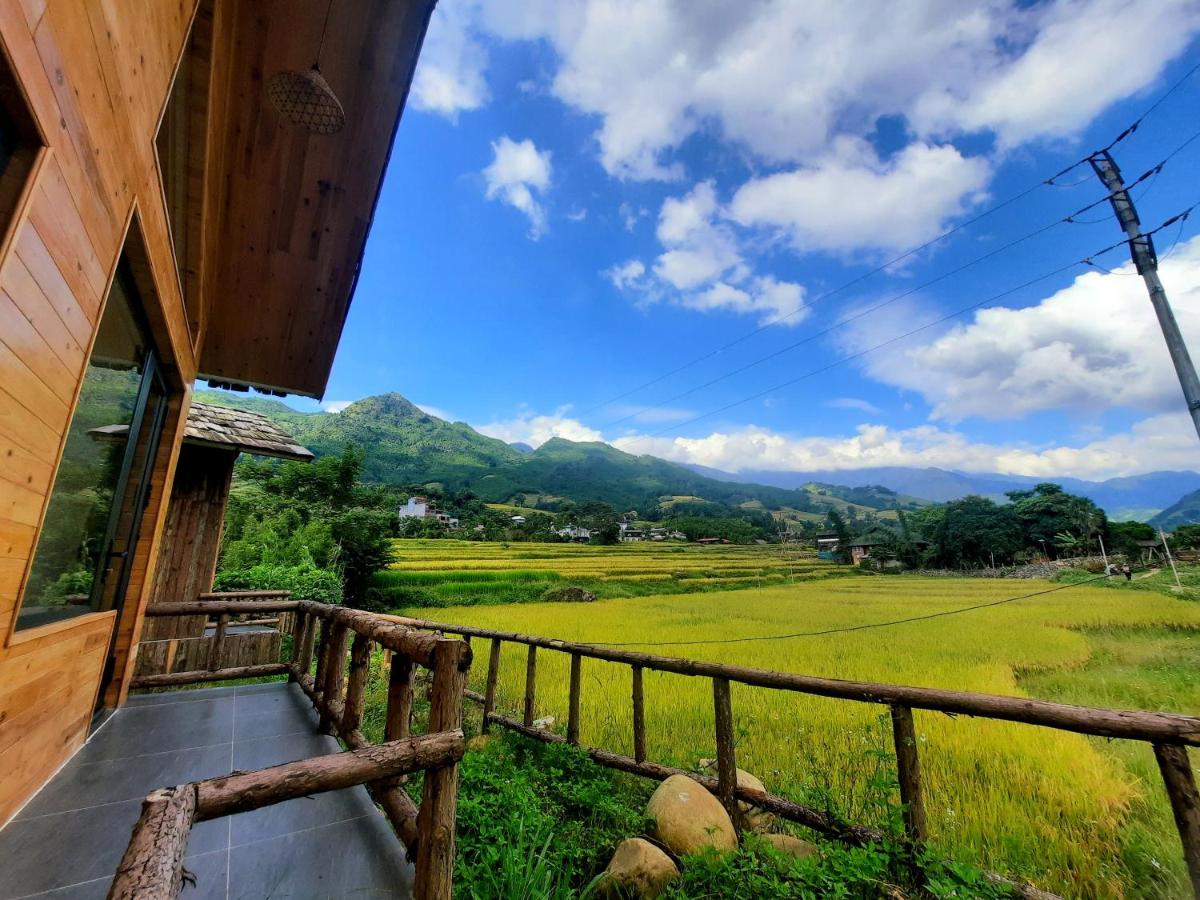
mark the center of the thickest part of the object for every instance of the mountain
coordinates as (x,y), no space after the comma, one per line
(1184,511)
(404,445)
(1127,497)
(521,445)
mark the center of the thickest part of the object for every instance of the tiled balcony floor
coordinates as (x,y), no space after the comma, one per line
(68,840)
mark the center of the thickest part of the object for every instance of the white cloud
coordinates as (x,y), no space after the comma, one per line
(535,429)
(1160,442)
(577,215)
(1092,346)
(783,79)
(628,274)
(519,175)
(854,403)
(631,215)
(450,75)
(850,199)
(335,406)
(1064,76)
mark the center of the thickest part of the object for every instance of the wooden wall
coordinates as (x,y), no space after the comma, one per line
(95,74)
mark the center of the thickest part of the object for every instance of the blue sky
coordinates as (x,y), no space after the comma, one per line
(586,195)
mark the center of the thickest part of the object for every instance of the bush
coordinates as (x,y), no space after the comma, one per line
(571,594)
(305,581)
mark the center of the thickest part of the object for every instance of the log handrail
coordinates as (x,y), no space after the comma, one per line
(152,866)
(1167,728)
(1169,733)
(338,693)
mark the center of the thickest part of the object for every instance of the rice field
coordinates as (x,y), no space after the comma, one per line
(1080,816)
(436,573)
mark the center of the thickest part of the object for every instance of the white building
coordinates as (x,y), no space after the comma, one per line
(575,533)
(416,508)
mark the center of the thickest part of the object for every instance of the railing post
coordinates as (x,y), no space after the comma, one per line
(489,692)
(908,768)
(304,653)
(399,698)
(434,875)
(573,702)
(356,683)
(335,665)
(726,758)
(530,684)
(639,717)
(299,626)
(218,643)
(1185,803)
(322,656)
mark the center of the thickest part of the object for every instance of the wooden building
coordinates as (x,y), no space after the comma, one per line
(161,220)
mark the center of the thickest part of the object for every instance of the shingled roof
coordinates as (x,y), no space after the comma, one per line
(224,427)
(240,429)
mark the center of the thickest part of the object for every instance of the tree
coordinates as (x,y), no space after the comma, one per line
(600,519)
(843,534)
(1047,512)
(973,531)
(1185,537)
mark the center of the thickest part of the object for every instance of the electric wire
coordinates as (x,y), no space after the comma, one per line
(866,626)
(945,318)
(1020,195)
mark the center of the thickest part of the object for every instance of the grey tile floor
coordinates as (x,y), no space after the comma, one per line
(68,840)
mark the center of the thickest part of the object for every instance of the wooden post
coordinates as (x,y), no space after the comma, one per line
(356,683)
(335,666)
(1185,803)
(399,698)
(489,692)
(322,656)
(530,684)
(573,702)
(299,624)
(152,867)
(218,643)
(639,716)
(726,758)
(304,653)
(908,767)
(434,875)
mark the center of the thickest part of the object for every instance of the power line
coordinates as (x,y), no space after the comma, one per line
(864,627)
(1051,181)
(958,312)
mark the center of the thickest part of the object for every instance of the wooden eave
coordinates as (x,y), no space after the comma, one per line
(294,208)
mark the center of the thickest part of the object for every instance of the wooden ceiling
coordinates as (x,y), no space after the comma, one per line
(295,207)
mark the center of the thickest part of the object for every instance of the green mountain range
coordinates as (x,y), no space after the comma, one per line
(1184,511)
(404,445)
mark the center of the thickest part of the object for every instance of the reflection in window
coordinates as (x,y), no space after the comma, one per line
(77,533)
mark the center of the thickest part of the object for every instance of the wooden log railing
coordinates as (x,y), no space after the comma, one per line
(338,692)
(152,867)
(1169,734)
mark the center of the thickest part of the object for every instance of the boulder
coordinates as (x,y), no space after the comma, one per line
(791,846)
(569,594)
(687,818)
(638,869)
(753,818)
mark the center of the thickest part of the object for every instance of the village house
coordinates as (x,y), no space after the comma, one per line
(628,533)
(575,533)
(418,507)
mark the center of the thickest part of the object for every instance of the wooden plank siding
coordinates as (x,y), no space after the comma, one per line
(95,76)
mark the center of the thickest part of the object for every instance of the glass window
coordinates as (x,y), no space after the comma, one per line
(87,537)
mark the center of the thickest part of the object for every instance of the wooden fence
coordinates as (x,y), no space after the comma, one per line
(152,865)
(1170,735)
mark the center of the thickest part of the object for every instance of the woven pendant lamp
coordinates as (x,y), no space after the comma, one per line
(305,98)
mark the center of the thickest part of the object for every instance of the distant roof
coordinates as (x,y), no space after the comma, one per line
(223,426)
(227,428)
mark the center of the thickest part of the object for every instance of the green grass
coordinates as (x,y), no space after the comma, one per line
(1070,813)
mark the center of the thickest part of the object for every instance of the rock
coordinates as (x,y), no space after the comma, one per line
(638,868)
(687,818)
(791,846)
(570,594)
(755,819)
(543,723)
(479,742)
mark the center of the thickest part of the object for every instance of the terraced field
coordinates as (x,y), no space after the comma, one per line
(1076,815)
(432,573)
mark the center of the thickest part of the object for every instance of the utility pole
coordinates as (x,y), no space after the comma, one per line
(1141,248)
